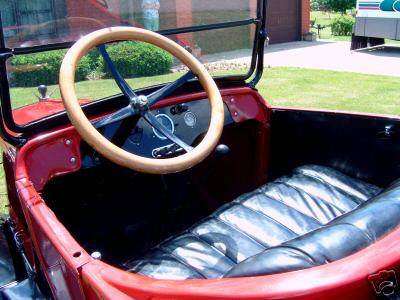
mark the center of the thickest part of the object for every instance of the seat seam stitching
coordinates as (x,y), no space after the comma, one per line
(133,269)
(322,200)
(357,180)
(212,246)
(325,201)
(271,218)
(295,209)
(336,187)
(178,259)
(296,249)
(243,233)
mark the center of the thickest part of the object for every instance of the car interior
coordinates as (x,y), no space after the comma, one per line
(290,192)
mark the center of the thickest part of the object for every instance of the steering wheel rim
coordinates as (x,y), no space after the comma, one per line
(114,153)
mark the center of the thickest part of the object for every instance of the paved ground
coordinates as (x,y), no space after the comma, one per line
(335,56)
(327,55)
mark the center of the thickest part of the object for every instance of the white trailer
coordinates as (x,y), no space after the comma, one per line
(376,20)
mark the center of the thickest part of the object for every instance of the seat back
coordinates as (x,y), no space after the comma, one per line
(339,238)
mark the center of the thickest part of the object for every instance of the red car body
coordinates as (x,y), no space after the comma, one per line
(70,272)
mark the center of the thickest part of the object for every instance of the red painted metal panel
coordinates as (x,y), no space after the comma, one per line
(49,155)
(59,261)
(39,110)
(59,255)
(343,279)
(56,153)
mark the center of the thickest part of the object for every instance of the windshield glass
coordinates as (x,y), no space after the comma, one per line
(224,51)
(28,23)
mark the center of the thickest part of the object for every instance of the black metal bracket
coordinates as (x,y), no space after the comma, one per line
(5,107)
(261,39)
(5,53)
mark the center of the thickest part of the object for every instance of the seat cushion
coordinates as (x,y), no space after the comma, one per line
(297,221)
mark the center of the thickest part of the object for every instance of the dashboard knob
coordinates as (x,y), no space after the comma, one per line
(178,109)
(222,150)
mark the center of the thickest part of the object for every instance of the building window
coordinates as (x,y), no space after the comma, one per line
(8,18)
(21,15)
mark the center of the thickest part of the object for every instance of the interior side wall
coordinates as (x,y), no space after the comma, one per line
(361,146)
(122,213)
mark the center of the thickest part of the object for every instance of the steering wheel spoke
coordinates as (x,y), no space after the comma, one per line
(152,120)
(119,115)
(169,88)
(121,82)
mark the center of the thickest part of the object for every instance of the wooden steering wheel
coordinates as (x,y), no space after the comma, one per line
(139,104)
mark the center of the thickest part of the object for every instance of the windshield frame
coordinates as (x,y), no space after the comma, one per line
(24,132)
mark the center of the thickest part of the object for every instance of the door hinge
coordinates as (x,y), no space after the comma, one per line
(384,283)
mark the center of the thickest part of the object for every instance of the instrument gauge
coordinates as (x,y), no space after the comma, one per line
(190,119)
(167,122)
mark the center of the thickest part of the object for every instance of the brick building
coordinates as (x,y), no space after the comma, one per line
(287,19)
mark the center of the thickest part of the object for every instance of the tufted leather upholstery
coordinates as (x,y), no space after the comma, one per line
(312,217)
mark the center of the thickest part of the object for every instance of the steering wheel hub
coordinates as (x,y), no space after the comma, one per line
(141,103)
(142,100)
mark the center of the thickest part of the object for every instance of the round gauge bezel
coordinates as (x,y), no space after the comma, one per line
(157,134)
(194,118)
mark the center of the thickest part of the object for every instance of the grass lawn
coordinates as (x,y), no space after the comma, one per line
(281,86)
(91,89)
(331,90)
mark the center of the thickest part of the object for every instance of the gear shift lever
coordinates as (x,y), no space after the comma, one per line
(42,89)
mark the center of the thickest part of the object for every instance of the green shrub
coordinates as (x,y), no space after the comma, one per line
(44,68)
(130,58)
(137,59)
(342,25)
(93,56)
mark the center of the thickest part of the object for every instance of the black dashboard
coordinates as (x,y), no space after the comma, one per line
(189,121)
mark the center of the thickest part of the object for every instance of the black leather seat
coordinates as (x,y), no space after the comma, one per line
(312,217)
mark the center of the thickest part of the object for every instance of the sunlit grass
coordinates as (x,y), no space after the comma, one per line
(323,89)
